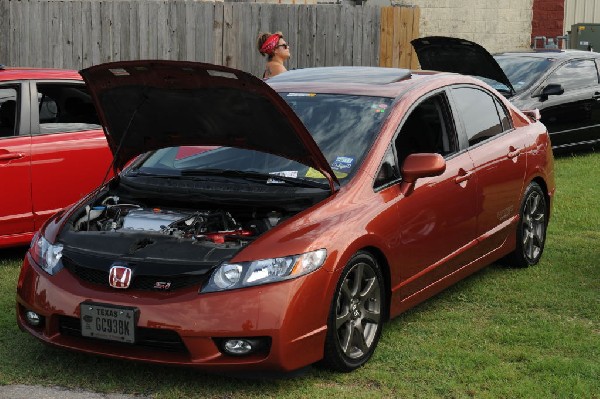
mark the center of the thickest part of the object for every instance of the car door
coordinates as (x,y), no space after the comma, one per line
(69,155)
(573,116)
(436,223)
(498,154)
(16,213)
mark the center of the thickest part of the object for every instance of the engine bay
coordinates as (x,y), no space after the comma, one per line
(111,215)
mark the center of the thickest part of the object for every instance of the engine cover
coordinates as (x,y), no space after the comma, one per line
(151,219)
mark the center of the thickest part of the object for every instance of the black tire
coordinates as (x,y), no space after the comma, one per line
(356,315)
(531,229)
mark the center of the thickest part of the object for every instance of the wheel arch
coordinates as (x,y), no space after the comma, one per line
(542,183)
(381,260)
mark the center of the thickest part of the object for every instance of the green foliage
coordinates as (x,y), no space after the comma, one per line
(502,333)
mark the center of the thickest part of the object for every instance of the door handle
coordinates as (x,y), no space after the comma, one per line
(463,176)
(11,155)
(513,152)
(596,96)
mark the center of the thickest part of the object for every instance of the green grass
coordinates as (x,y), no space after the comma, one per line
(502,333)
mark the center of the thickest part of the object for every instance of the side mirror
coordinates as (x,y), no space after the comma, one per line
(416,166)
(551,90)
(533,114)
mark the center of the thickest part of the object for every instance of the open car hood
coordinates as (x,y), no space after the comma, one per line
(450,54)
(147,105)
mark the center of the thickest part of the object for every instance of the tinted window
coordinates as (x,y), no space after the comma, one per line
(503,115)
(575,74)
(478,112)
(65,108)
(389,170)
(8,111)
(521,71)
(428,128)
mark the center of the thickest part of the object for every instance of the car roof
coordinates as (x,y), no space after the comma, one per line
(373,81)
(11,73)
(552,53)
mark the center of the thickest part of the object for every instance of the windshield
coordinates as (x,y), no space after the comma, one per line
(343,126)
(521,71)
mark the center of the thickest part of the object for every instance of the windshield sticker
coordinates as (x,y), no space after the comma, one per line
(284,173)
(342,164)
(312,173)
(301,94)
(379,108)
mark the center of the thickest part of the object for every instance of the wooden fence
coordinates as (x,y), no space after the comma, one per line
(77,34)
(399,25)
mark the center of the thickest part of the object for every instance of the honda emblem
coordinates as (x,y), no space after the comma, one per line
(120,277)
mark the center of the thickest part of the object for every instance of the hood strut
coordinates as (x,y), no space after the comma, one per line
(125,134)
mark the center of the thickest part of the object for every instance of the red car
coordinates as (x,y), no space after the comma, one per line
(52,148)
(274,226)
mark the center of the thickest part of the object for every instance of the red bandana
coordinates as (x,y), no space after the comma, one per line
(270,44)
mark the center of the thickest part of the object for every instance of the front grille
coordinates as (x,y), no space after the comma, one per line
(153,338)
(138,282)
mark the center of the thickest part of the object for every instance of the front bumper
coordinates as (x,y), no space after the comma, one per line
(292,315)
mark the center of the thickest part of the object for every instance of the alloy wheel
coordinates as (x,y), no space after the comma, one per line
(358,311)
(534,225)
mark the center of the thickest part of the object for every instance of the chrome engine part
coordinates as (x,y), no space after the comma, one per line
(216,226)
(151,219)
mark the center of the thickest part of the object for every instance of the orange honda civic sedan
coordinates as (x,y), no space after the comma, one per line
(272,225)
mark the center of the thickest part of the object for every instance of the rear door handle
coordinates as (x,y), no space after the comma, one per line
(513,152)
(11,155)
(463,176)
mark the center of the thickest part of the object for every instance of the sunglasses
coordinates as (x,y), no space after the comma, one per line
(285,46)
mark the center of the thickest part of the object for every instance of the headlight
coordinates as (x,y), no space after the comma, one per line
(229,276)
(46,255)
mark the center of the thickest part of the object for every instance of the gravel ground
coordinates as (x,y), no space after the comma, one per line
(29,392)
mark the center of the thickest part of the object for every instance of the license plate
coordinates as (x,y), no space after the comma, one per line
(114,323)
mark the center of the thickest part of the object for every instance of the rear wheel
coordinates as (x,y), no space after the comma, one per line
(356,315)
(531,230)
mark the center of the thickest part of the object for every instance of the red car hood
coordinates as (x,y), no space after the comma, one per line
(147,105)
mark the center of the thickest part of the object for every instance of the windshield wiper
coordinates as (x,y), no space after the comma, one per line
(264,177)
(137,172)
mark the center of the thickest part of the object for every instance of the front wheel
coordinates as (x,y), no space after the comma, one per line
(356,315)
(531,229)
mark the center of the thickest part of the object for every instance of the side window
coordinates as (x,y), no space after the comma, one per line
(479,113)
(575,74)
(388,171)
(428,128)
(502,114)
(65,108)
(9,123)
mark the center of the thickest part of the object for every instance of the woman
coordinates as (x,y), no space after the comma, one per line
(273,46)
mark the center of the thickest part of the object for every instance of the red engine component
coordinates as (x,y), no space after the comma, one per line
(231,235)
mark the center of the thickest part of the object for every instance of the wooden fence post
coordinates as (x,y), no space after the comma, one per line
(399,25)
